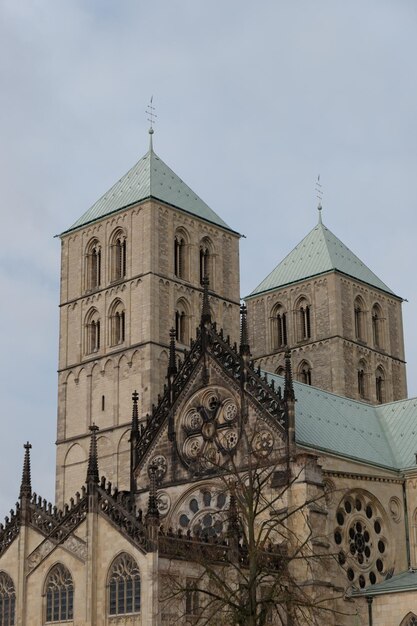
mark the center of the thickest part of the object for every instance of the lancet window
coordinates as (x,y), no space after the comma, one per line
(7,600)
(92,332)
(124,586)
(118,256)
(377,326)
(117,323)
(279,327)
(304,373)
(304,320)
(206,261)
(359,313)
(362,380)
(93,265)
(182,319)
(59,591)
(379,385)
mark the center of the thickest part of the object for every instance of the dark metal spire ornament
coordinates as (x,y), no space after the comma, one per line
(205,312)
(244,349)
(172,363)
(134,436)
(289,387)
(153,510)
(92,478)
(319,192)
(26,484)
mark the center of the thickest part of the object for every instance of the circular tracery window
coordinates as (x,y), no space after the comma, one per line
(208,429)
(360,536)
(202,513)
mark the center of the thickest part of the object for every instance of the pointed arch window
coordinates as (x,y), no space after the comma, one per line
(124,586)
(362,391)
(117,323)
(206,261)
(7,600)
(182,322)
(279,328)
(377,326)
(380,385)
(360,319)
(93,265)
(59,591)
(304,320)
(118,248)
(304,373)
(409,620)
(92,332)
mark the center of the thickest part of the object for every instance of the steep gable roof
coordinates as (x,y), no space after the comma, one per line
(318,253)
(150,177)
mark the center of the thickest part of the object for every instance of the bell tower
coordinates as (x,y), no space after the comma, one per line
(132,267)
(342,323)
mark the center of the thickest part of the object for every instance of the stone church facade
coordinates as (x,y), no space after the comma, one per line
(164,377)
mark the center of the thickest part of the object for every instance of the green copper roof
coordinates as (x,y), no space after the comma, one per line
(384,435)
(319,252)
(150,177)
(405,581)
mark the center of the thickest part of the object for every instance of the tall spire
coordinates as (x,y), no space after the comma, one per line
(26,484)
(92,469)
(135,414)
(205,312)
(319,195)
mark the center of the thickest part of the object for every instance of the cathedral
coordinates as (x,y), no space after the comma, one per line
(170,390)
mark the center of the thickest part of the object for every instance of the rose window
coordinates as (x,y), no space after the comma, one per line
(202,513)
(263,443)
(208,429)
(360,536)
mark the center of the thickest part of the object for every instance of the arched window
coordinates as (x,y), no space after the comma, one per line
(117,318)
(278,327)
(124,586)
(304,373)
(206,261)
(59,591)
(360,319)
(92,332)
(304,320)
(377,326)
(7,600)
(362,390)
(380,385)
(118,256)
(280,371)
(180,254)
(409,620)
(182,322)
(93,265)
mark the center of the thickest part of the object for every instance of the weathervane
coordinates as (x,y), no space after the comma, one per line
(319,196)
(150,110)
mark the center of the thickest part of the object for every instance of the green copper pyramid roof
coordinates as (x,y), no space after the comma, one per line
(319,252)
(149,177)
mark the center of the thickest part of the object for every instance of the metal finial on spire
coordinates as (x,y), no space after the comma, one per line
(92,469)
(153,510)
(150,111)
(26,485)
(319,196)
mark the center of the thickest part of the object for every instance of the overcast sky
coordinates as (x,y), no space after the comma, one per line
(254,100)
